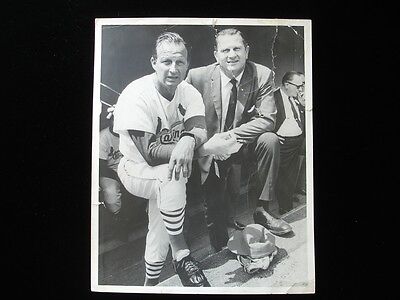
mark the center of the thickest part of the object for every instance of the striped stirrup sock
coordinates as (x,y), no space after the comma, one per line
(153,269)
(173,220)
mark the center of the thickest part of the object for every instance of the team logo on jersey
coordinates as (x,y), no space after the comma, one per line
(169,136)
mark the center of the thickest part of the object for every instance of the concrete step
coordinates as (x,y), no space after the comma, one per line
(288,273)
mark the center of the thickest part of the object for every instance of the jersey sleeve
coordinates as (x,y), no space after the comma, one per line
(133,112)
(104,145)
(194,118)
(193,103)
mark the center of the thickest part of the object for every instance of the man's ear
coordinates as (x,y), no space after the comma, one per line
(153,62)
(215,55)
(284,87)
(247,49)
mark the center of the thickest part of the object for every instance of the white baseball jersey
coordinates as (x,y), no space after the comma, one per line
(109,149)
(141,107)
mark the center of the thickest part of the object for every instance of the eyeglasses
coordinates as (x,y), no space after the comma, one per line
(297,86)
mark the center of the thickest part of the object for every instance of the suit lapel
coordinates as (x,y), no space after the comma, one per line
(281,115)
(216,92)
(245,87)
(302,117)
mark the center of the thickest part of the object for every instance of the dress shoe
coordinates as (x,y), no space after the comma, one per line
(236,225)
(275,226)
(218,236)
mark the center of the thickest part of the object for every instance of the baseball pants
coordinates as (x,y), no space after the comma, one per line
(166,212)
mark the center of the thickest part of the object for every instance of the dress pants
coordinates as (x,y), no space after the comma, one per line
(265,153)
(288,170)
(214,189)
(218,191)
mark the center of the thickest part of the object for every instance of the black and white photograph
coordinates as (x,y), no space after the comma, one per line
(202,156)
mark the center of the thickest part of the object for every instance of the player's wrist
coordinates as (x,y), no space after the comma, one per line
(188,136)
(186,133)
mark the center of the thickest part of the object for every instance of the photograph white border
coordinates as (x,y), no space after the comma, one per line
(95,156)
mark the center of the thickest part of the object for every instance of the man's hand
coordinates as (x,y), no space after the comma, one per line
(110,111)
(224,143)
(227,135)
(181,158)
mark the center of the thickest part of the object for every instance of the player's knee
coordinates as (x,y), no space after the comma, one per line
(172,193)
(112,192)
(113,207)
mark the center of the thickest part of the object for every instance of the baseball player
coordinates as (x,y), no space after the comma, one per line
(160,120)
(110,156)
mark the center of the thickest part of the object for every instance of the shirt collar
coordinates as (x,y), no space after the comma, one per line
(225,79)
(284,94)
(288,98)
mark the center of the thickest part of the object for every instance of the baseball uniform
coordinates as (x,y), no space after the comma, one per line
(142,108)
(109,182)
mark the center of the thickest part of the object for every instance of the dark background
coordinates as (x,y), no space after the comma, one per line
(126,51)
(47,101)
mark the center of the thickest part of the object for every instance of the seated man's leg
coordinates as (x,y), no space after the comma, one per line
(233,195)
(214,189)
(111,189)
(288,170)
(267,151)
(301,178)
(157,244)
(171,200)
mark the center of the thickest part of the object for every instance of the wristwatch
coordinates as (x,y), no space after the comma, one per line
(185,133)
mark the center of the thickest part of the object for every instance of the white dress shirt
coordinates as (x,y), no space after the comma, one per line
(289,127)
(226,87)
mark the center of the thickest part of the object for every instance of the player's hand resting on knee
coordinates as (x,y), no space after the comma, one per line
(181,158)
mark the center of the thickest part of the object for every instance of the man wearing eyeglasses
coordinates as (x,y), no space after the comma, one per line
(289,100)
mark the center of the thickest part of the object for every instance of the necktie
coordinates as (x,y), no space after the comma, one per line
(295,114)
(230,115)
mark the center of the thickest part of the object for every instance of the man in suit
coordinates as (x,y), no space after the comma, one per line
(238,98)
(301,179)
(290,103)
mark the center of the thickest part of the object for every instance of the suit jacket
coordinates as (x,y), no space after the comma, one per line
(255,92)
(281,115)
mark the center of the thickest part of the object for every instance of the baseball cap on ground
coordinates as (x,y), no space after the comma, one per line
(254,246)
(254,241)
